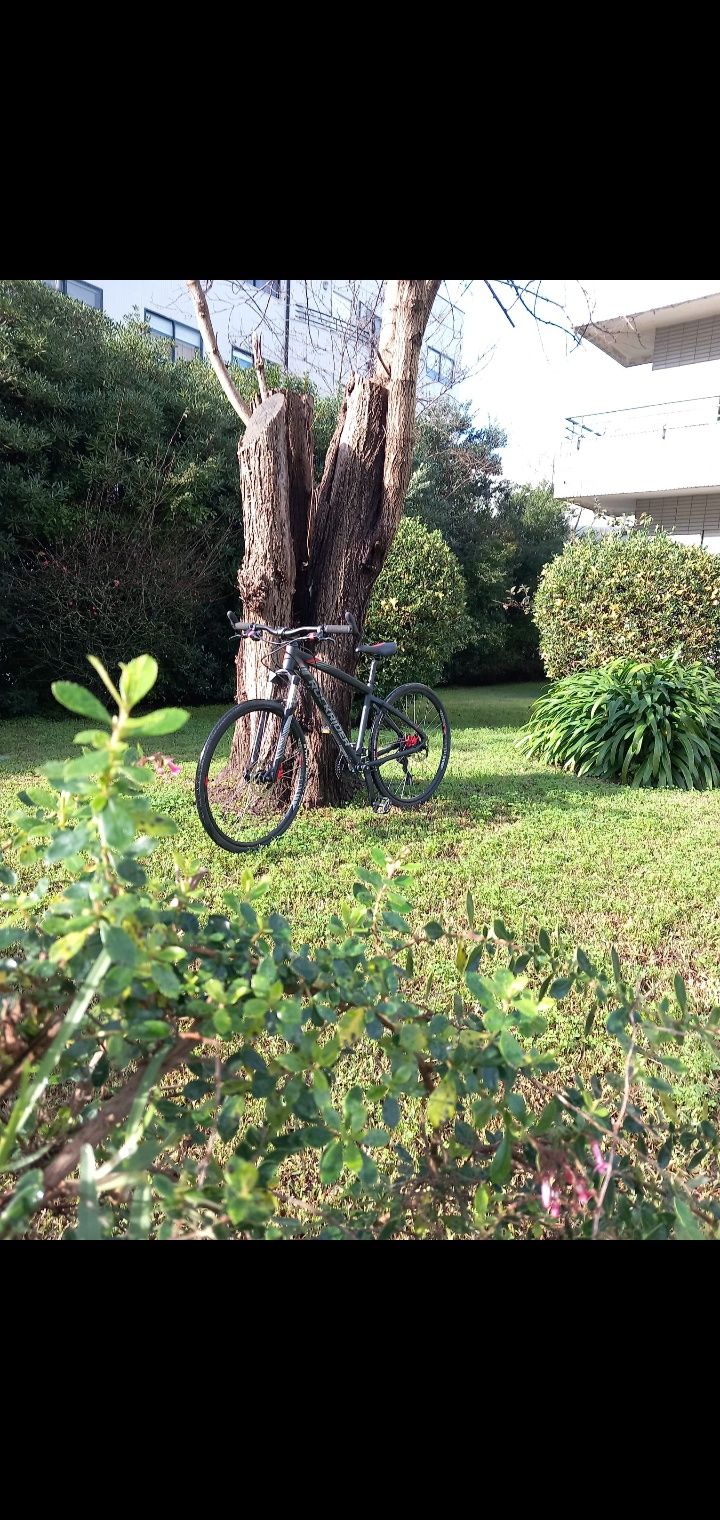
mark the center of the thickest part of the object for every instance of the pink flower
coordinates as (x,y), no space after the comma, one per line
(601,1165)
(162,765)
(550,1197)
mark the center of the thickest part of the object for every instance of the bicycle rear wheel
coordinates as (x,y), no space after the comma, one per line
(238,806)
(410,746)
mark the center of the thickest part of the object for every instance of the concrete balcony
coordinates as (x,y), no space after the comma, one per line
(620,462)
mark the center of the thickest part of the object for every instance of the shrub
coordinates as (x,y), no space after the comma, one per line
(111,982)
(419,599)
(651,724)
(631,593)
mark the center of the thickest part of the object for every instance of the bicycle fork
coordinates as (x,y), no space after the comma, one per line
(273,772)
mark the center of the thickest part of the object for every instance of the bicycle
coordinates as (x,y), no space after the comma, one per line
(252,804)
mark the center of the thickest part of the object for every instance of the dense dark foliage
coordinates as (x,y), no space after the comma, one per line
(120,500)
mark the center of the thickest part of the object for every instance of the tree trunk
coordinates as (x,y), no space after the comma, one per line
(276,481)
(310,556)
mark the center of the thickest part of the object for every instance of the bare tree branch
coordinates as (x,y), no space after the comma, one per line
(496,297)
(386,342)
(531,288)
(259,363)
(214,355)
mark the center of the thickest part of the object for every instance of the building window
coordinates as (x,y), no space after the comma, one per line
(439,366)
(242,357)
(80,290)
(270,287)
(185,342)
(370,322)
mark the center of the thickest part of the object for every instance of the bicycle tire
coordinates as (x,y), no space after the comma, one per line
(203,800)
(384,782)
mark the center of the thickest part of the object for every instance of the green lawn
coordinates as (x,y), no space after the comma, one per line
(637,869)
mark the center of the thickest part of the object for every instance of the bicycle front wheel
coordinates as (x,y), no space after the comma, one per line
(242,806)
(409,746)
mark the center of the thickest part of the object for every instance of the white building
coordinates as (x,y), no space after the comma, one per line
(661,460)
(321,328)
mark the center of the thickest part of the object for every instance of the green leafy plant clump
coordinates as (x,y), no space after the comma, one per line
(625,594)
(166,1068)
(653,723)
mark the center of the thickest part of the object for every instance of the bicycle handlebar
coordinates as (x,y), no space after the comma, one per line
(321,631)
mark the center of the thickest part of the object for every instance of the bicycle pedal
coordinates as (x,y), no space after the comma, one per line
(382,806)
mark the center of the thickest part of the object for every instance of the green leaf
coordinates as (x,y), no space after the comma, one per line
(434,930)
(94,736)
(137,678)
(351,1026)
(354,1112)
(501,1165)
(480,1203)
(149,1029)
(165,980)
(331,1162)
(353,1156)
(510,1048)
(79,700)
(442,1102)
(67,946)
(165,721)
(230,1115)
(98,666)
(560,987)
(69,842)
(117,824)
(222,1022)
(688,1225)
(680,992)
(470,908)
(391,1112)
(120,947)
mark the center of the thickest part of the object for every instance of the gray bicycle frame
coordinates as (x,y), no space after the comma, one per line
(295,670)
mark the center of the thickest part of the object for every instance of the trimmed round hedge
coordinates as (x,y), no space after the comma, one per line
(418,599)
(653,723)
(629,594)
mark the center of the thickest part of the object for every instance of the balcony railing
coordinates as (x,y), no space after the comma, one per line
(660,418)
(644,451)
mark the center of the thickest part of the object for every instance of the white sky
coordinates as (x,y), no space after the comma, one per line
(531,377)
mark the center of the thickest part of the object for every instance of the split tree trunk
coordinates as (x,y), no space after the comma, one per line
(309,555)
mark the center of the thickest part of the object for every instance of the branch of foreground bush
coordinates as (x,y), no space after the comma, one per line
(616,1128)
(32,1092)
(112,1113)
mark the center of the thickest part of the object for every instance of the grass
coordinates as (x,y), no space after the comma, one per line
(636,869)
